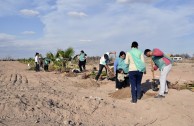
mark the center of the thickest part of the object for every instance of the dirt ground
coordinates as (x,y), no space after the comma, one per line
(29,98)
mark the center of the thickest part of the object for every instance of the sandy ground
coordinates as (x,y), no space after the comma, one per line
(29,98)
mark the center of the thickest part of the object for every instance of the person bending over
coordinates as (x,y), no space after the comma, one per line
(164,63)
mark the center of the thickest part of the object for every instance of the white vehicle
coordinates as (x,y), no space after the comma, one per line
(177,59)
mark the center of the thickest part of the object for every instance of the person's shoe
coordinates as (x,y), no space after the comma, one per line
(116,89)
(133,101)
(159,96)
(165,92)
(139,98)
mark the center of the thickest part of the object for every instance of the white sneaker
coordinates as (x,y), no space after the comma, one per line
(116,89)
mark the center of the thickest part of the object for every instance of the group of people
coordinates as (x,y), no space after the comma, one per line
(41,62)
(129,68)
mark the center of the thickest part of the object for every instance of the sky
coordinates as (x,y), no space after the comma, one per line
(95,26)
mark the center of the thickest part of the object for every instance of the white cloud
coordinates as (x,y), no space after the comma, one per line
(85,40)
(28,32)
(7,40)
(76,14)
(116,26)
(135,1)
(6,37)
(112,25)
(9,7)
(122,1)
(28,12)
(45,5)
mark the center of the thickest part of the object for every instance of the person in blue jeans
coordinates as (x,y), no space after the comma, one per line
(135,60)
(119,64)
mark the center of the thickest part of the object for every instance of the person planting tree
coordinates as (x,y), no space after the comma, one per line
(164,63)
(104,61)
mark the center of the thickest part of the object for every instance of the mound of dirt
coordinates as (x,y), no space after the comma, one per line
(120,94)
(126,93)
(86,83)
(70,74)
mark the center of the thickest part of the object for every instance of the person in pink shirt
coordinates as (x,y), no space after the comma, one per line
(164,63)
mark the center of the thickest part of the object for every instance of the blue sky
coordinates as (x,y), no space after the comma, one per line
(29,26)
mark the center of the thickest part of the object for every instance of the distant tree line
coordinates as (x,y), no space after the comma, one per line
(69,52)
(184,55)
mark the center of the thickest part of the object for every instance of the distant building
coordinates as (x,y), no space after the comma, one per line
(177,59)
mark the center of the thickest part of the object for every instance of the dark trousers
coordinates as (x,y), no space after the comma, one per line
(37,67)
(124,84)
(82,64)
(100,71)
(46,67)
(135,78)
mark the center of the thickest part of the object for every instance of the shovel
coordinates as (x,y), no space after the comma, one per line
(110,74)
(154,85)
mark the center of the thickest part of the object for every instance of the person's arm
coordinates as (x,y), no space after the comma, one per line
(75,56)
(127,59)
(155,67)
(143,60)
(85,56)
(157,52)
(115,66)
(108,69)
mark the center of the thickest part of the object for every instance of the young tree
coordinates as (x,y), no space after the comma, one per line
(64,56)
(50,56)
(69,52)
(60,54)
